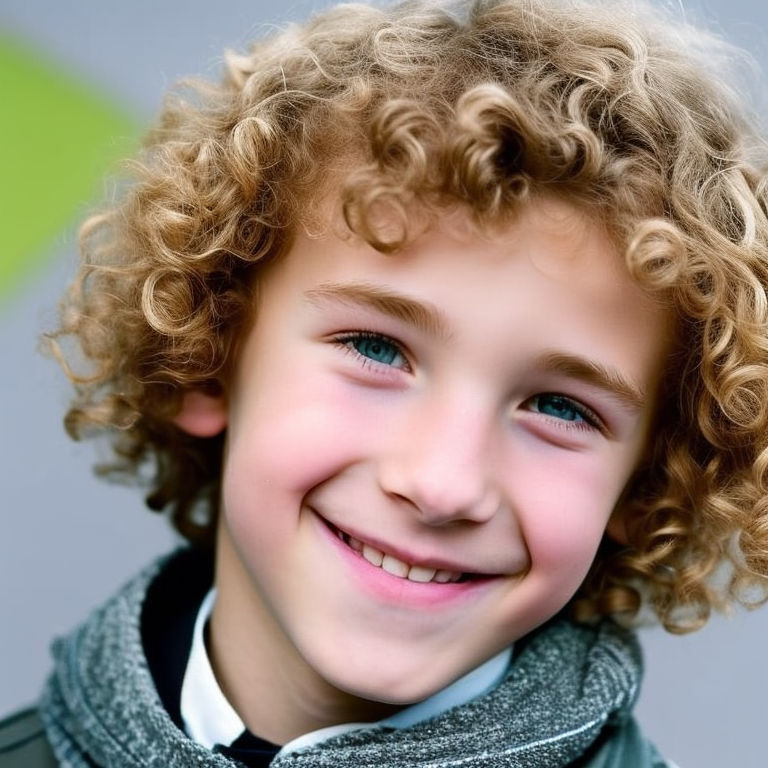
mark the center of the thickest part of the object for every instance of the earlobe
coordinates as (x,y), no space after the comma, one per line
(201,415)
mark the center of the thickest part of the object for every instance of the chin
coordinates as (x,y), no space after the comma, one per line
(389,684)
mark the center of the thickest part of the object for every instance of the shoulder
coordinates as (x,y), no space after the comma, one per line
(23,743)
(622,746)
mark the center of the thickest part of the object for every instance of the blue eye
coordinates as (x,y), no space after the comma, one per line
(560,407)
(375,348)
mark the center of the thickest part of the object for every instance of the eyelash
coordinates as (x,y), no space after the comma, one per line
(590,419)
(346,340)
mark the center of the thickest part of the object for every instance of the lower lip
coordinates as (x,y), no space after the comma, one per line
(395,590)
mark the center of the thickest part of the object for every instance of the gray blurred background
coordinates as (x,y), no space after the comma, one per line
(67,540)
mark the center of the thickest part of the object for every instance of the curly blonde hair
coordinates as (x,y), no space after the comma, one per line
(484,104)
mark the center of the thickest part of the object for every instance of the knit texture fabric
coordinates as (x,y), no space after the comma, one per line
(567,683)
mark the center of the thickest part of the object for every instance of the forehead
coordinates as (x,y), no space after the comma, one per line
(561,240)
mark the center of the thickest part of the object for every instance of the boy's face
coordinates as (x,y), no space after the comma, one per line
(469,410)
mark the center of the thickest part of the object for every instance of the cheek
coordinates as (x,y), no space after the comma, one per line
(564,507)
(290,434)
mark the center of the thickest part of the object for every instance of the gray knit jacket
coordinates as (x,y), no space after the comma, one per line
(566,701)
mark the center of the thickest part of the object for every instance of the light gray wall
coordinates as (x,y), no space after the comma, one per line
(66,541)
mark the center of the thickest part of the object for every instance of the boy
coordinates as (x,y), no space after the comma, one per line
(444,335)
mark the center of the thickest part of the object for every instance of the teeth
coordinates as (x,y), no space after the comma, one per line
(373,556)
(394,566)
(423,575)
(397,567)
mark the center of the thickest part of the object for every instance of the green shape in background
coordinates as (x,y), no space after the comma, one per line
(57,139)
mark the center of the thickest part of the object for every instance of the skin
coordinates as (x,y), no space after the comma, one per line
(489,430)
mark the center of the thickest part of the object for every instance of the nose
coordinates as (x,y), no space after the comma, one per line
(441,463)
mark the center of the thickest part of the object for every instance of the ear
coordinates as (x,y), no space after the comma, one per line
(201,415)
(617,525)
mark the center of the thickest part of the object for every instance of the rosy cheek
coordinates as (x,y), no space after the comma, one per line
(564,506)
(294,432)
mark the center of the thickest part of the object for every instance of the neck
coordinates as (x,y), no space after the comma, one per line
(278,695)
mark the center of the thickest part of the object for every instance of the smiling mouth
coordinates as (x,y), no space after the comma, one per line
(399,568)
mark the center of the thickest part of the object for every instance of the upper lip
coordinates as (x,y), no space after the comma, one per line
(438,562)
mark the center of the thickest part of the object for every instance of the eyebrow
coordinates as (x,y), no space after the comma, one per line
(422,315)
(428,318)
(597,375)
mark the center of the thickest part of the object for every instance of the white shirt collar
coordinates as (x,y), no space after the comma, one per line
(207,715)
(210,719)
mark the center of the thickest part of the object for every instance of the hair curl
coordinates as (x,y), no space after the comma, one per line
(485,104)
